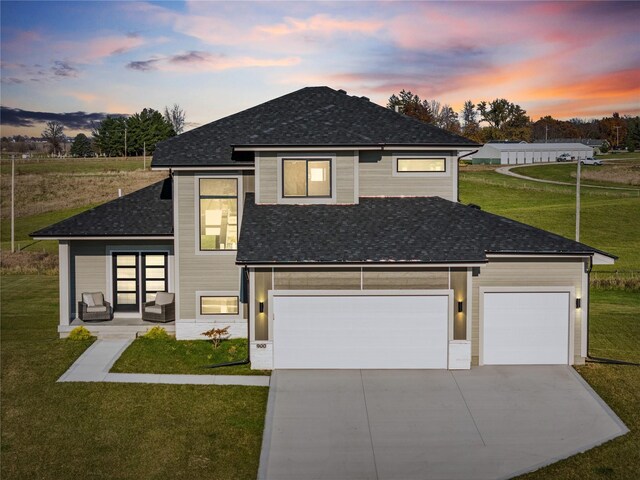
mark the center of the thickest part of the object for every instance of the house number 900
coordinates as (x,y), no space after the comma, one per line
(261,345)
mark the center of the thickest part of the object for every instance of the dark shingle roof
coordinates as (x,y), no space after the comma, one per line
(393,229)
(146,212)
(307,117)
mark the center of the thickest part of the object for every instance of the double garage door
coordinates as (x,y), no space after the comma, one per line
(360,331)
(391,330)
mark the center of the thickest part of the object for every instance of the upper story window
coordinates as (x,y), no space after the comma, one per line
(421,165)
(306,178)
(218,213)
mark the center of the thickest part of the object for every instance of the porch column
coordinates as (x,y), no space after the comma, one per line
(63,277)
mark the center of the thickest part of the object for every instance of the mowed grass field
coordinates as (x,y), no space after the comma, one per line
(60,431)
(610,219)
(63,431)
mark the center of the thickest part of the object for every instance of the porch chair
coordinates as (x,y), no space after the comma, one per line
(162,309)
(94,308)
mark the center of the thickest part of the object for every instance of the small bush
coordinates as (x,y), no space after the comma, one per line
(217,335)
(156,333)
(80,333)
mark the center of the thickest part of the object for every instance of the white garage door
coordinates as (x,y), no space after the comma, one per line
(360,331)
(525,328)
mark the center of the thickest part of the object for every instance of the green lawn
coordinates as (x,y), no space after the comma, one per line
(566,172)
(73,165)
(609,219)
(109,431)
(183,356)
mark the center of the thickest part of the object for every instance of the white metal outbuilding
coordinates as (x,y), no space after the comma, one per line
(523,153)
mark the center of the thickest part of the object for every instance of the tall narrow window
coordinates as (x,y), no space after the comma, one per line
(218,214)
(154,270)
(306,178)
(125,279)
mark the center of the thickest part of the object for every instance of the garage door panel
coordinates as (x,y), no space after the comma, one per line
(525,328)
(360,331)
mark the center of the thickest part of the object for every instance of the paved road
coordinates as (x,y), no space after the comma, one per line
(488,422)
(507,171)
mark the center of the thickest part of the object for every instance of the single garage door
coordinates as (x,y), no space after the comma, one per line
(360,331)
(525,328)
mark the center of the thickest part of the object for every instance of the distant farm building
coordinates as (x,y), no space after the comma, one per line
(521,153)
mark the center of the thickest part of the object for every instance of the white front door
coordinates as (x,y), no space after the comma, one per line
(360,331)
(520,328)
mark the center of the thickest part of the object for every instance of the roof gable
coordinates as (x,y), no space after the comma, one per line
(312,116)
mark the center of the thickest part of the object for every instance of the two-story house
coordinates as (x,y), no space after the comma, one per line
(328,230)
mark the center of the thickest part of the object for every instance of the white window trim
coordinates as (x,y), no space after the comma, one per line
(306,200)
(222,317)
(196,213)
(448,165)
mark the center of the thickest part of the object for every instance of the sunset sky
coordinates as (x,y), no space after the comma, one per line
(79,60)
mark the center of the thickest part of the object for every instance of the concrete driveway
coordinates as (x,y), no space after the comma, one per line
(489,422)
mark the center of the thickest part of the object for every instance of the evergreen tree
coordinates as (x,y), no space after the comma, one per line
(145,130)
(81,146)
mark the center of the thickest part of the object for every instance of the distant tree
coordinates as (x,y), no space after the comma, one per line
(507,121)
(470,124)
(176,117)
(108,136)
(145,130)
(633,134)
(81,146)
(411,105)
(54,134)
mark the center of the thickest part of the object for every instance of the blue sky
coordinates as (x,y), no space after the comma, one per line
(565,59)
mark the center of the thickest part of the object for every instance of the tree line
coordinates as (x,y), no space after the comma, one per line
(501,120)
(118,136)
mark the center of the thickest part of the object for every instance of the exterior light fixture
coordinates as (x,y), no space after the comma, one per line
(578,302)
(460,305)
(261,307)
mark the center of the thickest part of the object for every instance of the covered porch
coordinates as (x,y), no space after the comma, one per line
(119,327)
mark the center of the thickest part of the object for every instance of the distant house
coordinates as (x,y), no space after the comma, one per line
(522,153)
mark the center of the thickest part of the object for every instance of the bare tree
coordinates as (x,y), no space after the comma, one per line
(176,117)
(54,134)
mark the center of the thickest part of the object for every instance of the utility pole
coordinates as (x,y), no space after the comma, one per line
(546,132)
(578,203)
(125,142)
(617,127)
(144,155)
(13,202)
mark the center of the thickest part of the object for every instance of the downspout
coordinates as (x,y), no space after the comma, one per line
(458,166)
(248,359)
(591,359)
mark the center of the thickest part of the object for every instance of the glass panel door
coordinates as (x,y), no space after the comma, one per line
(125,282)
(154,273)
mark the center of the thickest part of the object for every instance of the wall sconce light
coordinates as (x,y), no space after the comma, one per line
(460,305)
(261,307)
(578,302)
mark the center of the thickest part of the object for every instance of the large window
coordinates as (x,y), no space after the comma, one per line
(421,165)
(306,178)
(219,305)
(218,213)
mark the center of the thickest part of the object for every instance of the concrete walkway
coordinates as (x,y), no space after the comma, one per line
(489,422)
(507,171)
(94,365)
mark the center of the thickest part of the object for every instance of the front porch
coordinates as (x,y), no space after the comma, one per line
(118,328)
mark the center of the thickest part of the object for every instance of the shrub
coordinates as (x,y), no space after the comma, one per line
(156,333)
(80,333)
(216,335)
